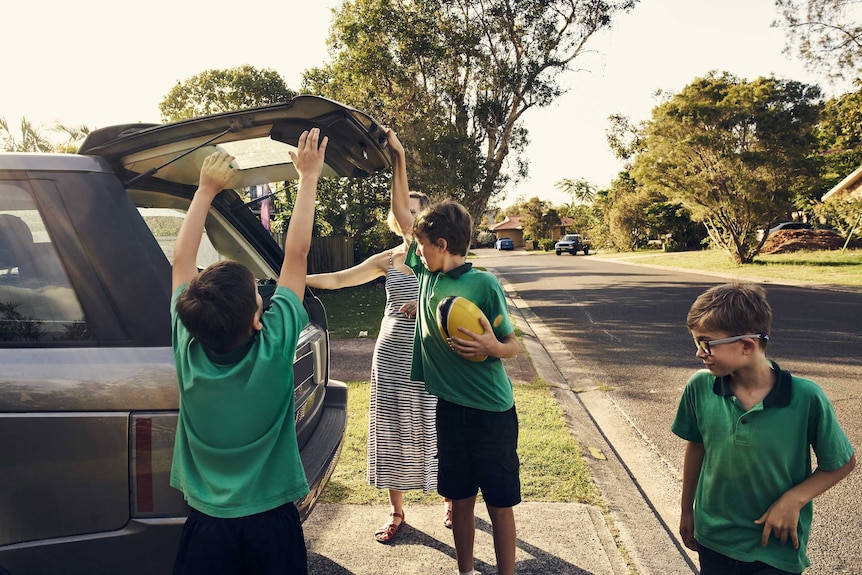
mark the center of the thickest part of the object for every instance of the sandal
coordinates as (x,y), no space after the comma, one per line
(387,533)
(447,519)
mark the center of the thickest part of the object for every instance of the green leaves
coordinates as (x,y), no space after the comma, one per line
(454,78)
(825,34)
(214,91)
(735,153)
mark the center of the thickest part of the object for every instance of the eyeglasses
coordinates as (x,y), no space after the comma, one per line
(705,346)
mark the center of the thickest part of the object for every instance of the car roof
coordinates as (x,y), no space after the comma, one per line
(791,225)
(259,138)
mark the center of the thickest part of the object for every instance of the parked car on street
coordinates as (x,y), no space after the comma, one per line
(504,244)
(572,243)
(88,391)
(789,226)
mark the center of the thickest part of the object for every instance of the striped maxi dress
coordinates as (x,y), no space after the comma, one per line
(402,440)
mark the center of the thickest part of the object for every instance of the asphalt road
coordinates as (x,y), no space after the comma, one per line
(620,332)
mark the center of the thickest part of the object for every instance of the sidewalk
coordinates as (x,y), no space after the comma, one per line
(553,538)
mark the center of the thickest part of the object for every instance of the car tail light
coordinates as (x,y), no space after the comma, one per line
(142,460)
(152,449)
(321,357)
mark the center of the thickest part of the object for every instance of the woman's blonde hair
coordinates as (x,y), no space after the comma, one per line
(424,202)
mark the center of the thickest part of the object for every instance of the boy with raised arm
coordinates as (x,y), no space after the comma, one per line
(477,426)
(236,458)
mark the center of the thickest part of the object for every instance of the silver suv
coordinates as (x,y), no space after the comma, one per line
(88,393)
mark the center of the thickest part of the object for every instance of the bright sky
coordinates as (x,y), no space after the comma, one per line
(99,62)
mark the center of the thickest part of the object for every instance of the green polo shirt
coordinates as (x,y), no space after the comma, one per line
(480,385)
(235,452)
(753,457)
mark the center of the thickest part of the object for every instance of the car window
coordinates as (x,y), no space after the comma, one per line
(37,301)
(220,241)
(165,224)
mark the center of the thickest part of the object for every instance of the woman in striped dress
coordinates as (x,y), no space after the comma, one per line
(402,440)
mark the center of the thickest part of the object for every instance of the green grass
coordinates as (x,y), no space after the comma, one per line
(552,466)
(352,310)
(823,266)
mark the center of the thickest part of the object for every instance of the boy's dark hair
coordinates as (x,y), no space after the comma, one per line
(448,220)
(218,305)
(735,308)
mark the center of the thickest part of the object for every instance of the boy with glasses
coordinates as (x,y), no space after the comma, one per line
(748,484)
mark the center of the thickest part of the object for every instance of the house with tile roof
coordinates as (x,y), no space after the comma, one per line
(511,228)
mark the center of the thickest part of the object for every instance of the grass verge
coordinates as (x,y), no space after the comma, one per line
(823,266)
(552,464)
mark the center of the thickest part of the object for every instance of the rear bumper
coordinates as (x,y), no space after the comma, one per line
(148,546)
(320,454)
(142,546)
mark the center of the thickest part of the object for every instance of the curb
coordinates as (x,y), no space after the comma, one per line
(644,540)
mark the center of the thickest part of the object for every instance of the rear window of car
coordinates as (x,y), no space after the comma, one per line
(220,240)
(165,224)
(37,301)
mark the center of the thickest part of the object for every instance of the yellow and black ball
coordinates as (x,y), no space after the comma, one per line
(454,312)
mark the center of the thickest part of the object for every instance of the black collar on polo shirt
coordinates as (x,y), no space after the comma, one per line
(778,396)
(459,271)
(233,356)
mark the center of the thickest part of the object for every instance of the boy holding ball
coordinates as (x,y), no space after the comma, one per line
(477,426)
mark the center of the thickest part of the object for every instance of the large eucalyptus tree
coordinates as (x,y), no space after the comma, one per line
(456,77)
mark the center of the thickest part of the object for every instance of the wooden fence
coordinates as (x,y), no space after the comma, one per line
(329,254)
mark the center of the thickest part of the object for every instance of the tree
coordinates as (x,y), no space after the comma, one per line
(839,138)
(580,190)
(455,79)
(625,139)
(626,214)
(826,34)
(357,208)
(214,91)
(28,139)
(75,135)
(737,154)
(537,218)
(583,217)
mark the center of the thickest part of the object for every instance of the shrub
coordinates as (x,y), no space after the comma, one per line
(485,239)
(546,244)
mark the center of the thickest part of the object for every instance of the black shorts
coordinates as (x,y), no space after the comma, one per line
(714,563)
(478,449)
(266,543)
